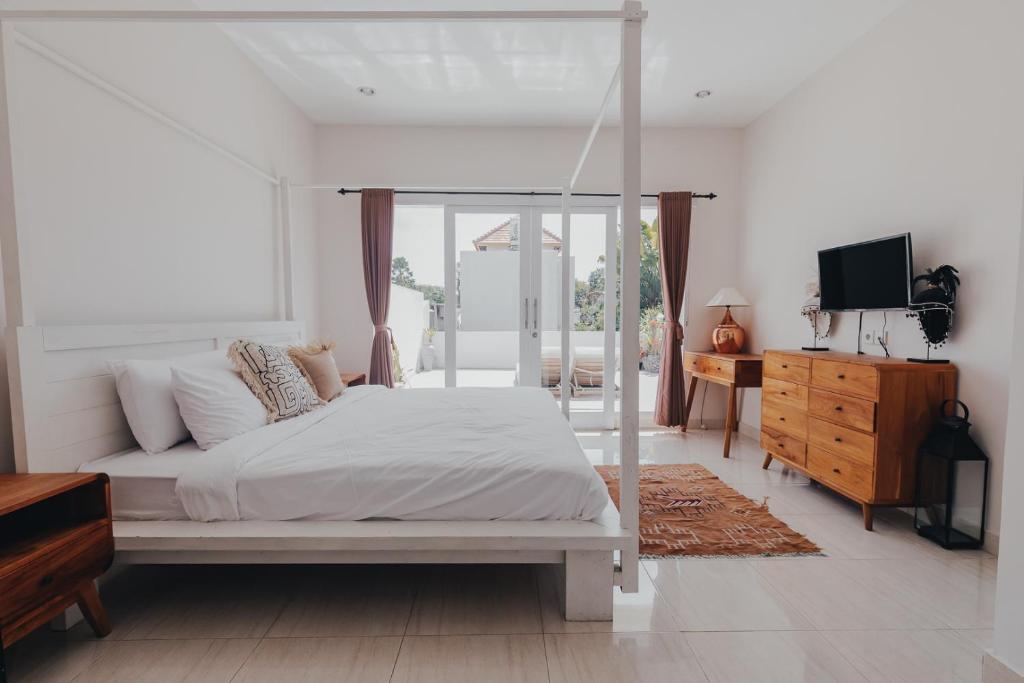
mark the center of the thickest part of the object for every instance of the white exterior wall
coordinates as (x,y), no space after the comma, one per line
(489,293)
(409,318)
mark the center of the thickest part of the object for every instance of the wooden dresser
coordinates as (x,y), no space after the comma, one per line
(852,423)
(56,538)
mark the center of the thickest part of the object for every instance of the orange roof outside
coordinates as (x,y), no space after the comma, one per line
(501,236)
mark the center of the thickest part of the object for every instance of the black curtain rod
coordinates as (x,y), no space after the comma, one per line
(343,191)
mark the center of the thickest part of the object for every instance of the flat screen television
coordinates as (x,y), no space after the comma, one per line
(868,276)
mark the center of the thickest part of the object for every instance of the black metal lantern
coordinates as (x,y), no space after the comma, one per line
(952,484)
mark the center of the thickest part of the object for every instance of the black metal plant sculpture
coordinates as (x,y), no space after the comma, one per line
(933,306)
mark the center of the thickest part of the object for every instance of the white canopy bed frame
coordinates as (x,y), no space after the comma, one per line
(65,408)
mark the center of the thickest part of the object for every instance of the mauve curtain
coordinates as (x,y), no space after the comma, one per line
(674,246)
(378,213)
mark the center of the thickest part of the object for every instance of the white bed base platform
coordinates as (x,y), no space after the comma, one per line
(584,551)
(66,412)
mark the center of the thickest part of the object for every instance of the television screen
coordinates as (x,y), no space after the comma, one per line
(867,276)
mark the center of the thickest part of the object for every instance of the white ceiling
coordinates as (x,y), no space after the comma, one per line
(750,53)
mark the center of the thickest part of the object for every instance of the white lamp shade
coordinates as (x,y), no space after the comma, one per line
(728,296)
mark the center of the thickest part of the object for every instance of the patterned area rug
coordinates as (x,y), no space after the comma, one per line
(685,511)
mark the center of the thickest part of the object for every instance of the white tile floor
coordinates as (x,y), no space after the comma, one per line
(882,606)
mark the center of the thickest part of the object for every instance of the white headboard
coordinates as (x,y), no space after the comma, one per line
(64,406)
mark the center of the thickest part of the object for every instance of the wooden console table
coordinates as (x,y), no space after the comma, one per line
(56,538)
(732,370)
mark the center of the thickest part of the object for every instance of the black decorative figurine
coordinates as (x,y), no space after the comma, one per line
(933,307)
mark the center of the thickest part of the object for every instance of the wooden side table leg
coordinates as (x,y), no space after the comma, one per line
(92,608)
(869,517)
(730,417)
(767,461)
(689,402)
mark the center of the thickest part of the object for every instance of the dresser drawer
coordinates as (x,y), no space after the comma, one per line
(845,410)
(789,421)
(843,440)
(846,378)
(784,393)
(849,477)
(56,572)
(784,447)
(787,367)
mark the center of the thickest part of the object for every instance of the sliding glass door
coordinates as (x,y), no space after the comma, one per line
(484,283)
(591,249)
(492,279)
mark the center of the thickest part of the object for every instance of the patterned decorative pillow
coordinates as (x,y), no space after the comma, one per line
(277,381)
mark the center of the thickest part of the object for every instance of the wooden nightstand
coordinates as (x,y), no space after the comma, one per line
(353,379)
(731,370)
(56,538)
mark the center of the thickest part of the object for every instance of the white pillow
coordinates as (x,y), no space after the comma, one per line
(144,387)
(215,403)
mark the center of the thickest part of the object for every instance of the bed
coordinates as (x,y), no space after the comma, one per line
(373,453)
(377,476)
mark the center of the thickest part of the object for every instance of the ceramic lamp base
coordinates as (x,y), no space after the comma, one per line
(728,337)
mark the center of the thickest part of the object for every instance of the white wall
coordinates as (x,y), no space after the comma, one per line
(916,128)
(673,159)
(128,220)
(1008,642)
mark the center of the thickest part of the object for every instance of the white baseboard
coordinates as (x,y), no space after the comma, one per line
(995,671)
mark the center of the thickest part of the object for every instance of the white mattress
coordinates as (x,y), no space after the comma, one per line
(411,454)
(142,485)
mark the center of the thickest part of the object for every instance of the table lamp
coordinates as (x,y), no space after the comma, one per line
(728,337)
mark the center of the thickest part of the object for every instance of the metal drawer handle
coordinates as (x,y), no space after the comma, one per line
(839,408)
(838,440)
(782,393)
(841,376)
(836,470)
(782,445)
(782,419)
(784,366)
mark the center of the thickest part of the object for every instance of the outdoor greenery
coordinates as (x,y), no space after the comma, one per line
(590,294)
(402,275)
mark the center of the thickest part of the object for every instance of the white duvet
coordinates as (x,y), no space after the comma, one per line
(414,454)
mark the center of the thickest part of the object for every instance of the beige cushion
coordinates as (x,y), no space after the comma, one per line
(318,363)
(274,378)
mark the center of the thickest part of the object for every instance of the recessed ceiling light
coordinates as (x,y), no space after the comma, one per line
(701,94)
(367,90)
